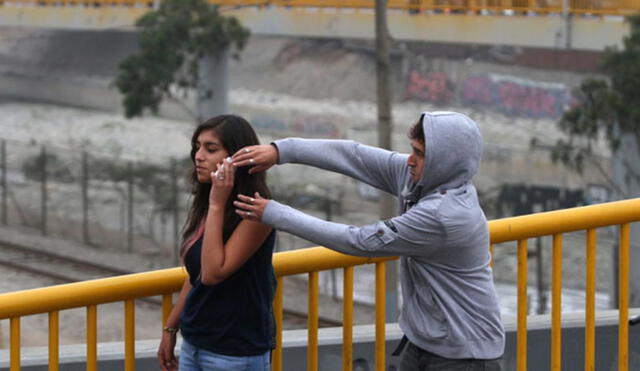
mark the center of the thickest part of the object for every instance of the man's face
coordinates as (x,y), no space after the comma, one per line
(416,160)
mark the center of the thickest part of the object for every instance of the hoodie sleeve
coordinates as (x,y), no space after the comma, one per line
(379,168)
(414,233)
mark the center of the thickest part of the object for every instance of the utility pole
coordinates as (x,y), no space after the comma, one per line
(386,206)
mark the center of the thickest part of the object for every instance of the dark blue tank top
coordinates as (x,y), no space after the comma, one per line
(235,316)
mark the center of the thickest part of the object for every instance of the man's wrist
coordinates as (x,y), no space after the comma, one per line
(277,152)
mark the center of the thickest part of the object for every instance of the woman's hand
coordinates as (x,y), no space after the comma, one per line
(167,359)
(222,183)
(260,158)
(251,208)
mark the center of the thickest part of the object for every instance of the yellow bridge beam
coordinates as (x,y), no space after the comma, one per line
(546,30)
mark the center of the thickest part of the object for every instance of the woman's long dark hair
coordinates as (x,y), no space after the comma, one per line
(235,133)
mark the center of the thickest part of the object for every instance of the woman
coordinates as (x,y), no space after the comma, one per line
(224,308)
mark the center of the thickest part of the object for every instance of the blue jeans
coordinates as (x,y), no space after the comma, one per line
(416,359)
(193,358)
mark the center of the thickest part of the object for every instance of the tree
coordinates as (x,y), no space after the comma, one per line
(173,40)
(607,108)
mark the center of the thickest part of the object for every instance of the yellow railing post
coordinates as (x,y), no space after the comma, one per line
(347,319)
(277,311)
(590,310)
(92,338)
(623,304)
(556,304)
(54,344)
(129,335)
(380,316)
(522,305)
(312,328)
(14,339)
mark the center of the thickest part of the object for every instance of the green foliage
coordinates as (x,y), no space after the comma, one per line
(57,170)
(172,40)
(608,108)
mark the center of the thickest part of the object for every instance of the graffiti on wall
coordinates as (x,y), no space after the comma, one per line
(311,126)
(433,87)
(517,97)
(510,95)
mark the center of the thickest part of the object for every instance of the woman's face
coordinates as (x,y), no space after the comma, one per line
(209,153)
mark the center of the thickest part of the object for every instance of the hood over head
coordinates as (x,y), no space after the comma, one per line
(453,148)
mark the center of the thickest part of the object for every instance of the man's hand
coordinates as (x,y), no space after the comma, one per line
(251,208)
(260,158)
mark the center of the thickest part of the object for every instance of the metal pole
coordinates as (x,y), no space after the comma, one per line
(3,149)
(176,214)
(566,17)
(85,197)
(43,198)
(383,69)
(130,208)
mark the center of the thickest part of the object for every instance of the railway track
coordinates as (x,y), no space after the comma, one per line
(66,270)
(57,267)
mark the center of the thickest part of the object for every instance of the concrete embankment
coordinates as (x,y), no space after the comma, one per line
(314,88)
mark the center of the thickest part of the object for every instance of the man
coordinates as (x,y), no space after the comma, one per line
(450,312)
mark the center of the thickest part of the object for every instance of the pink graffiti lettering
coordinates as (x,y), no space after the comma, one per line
(434,87)
(477,90)
(521,100)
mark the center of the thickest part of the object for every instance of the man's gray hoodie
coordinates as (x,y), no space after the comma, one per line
(449,306)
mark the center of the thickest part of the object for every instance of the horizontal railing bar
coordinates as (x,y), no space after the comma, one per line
(300,261)
(562,221)
(159,282)
(98,291)
(139,285)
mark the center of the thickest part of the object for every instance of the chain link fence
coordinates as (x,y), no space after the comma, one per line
(100,199)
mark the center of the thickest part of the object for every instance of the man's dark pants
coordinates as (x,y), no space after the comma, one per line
(416,359)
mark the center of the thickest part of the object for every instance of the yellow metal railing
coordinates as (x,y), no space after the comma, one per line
(506,7)
(127,288)
(165,282)
(555,223)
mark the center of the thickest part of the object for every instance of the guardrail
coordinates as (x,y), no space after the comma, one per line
(127,288)
(499,7)
(555,223)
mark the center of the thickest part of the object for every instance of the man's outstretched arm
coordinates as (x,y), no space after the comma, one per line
(415,233)
(379,168)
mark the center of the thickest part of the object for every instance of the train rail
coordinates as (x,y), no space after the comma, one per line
(54,266)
